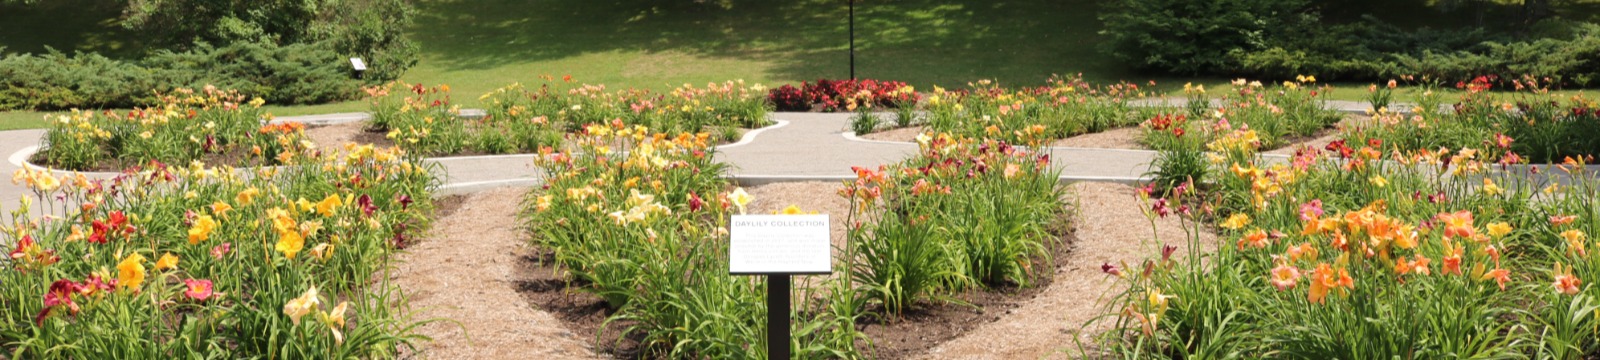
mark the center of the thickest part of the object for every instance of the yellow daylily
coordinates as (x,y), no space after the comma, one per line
(130,271)
(167,261)
(739,198)
(329,204)
(290,243)
(203,226)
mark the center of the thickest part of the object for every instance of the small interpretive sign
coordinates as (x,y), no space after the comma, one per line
(779,244)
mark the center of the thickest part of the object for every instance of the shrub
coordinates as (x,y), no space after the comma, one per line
(1195,37)
(292,74)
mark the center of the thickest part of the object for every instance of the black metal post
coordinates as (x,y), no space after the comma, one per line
(852,39)
(778,317)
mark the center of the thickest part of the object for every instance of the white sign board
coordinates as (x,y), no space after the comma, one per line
(357,64)
(779,244)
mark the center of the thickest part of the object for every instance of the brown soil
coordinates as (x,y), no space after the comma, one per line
(1066,314)
(332,137)
(1118,138)
(553,320)
(237,157)
(466,275)
(905,134)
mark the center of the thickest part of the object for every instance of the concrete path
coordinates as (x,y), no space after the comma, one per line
(801,146)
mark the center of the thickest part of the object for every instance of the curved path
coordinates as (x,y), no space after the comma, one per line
(801,146)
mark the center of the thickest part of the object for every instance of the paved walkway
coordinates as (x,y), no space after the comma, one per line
(801,146)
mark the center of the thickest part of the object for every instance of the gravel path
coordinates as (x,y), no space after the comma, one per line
(1111,228)
(465,271)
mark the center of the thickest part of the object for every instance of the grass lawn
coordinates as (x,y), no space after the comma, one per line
(478,45)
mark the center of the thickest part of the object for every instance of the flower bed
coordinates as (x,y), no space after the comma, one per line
(964,214)
(847,94)
(214,126)
(639,219)
(424,120)
(1067,106)
(1365,253)
(213,262)
(1531,125)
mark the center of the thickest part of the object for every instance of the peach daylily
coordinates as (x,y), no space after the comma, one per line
(1458,224)
(1565,282)
(301,306)
(1256,239)
(1284,277)
(335,321)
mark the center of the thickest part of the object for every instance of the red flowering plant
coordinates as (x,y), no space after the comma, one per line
(834,95)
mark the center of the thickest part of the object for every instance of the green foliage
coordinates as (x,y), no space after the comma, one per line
(1195,37)
(292,74)
(963,214)
(371,29)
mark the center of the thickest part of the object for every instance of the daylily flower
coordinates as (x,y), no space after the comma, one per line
(1311,210)
(1498,229)
(290,243)
(130,271)
(221,209)
(1564,282)
(301,306)
(221,250)
(247,196)
(329,204)
(335,321)
(1559,220)
(739,198)
(1285,277)
(60,294)
(1458,224)
(198,289)
(1490,188)
(1256,239)
(1325,280)
(201,231)
(1575,241)
(167,261)
(1500,277)
(1236,222)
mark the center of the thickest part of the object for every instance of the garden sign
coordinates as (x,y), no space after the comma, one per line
(778,246)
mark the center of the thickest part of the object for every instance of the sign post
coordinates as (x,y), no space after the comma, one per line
(779,246)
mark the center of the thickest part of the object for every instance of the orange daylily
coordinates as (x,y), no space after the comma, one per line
(1256,239)
(1324,280)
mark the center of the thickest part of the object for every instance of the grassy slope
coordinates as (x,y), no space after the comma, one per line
(478,45)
